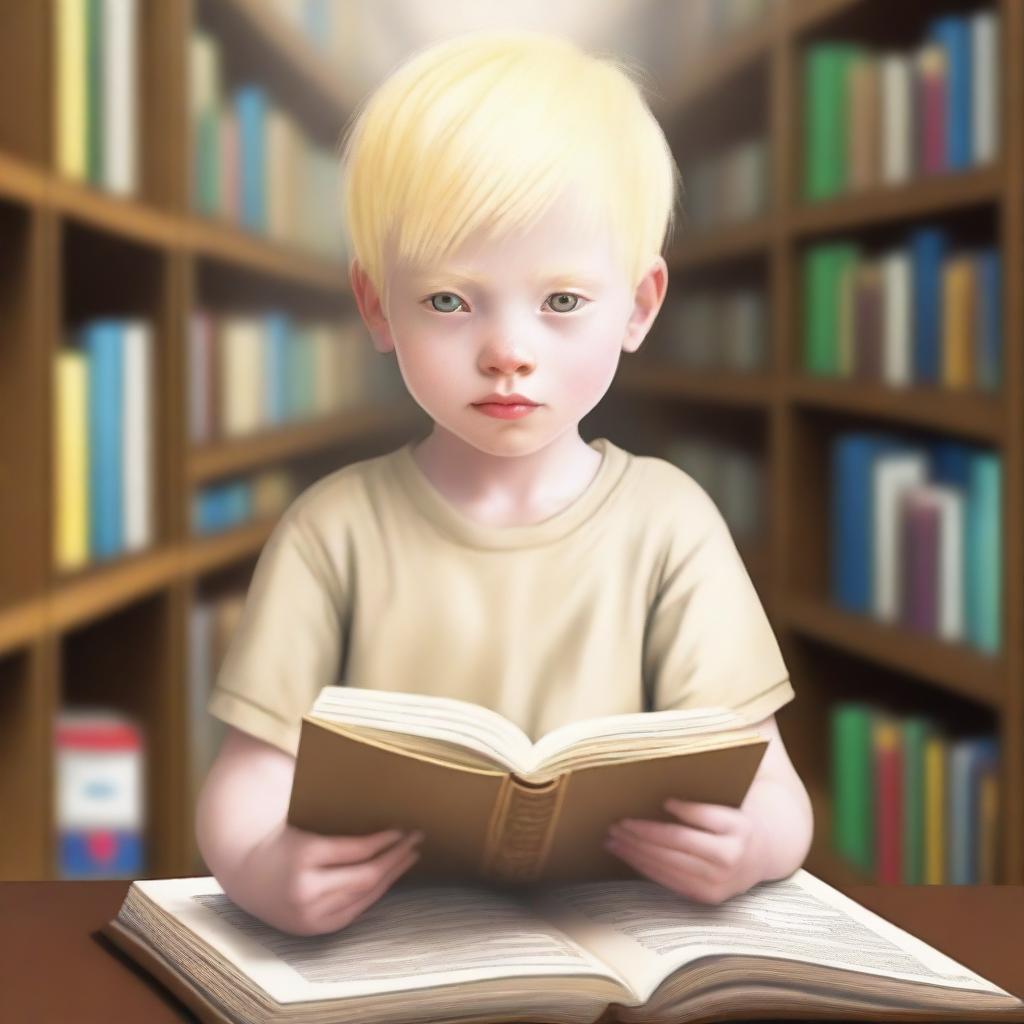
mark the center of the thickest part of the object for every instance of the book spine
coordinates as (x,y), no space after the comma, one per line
(521,829)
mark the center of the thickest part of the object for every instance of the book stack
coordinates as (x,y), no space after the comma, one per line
(212,622)
(917,535)
(720,329)
(253,372)
(96,89)
(705,24)
(104,425)
(732,476)
(99,774)
(233,503)
(910,803)
(921,313)
(728,187)
(880,117)
(253,163)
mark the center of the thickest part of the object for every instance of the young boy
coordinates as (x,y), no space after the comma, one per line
(508,197)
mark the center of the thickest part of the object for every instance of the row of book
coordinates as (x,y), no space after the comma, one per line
(721,328)
(95,89)
(228,504)
(925,312)
(910,804)
(251,372)
(705,23)
(253,164)
(881,117)
(321,22)
(730,186)
(99,776)
(104,427)
(732,476)
(916,535)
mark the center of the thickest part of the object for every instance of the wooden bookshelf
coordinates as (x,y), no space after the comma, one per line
(116,631)
(794,415)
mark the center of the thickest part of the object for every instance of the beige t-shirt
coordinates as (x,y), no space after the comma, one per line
(632,598)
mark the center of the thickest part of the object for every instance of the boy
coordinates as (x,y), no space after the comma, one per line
(507,197)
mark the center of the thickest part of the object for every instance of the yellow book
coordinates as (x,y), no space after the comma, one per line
(934,810)
(847,280)
(71,459)
(957,322)
(70,90)
(989,806)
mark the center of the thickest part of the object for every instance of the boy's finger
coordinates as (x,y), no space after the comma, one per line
(353,849)
(341,911)
(362,876)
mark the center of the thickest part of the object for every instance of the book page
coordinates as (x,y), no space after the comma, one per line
(648,932)
(414,937)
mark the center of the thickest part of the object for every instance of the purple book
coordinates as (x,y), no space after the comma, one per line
(920,525)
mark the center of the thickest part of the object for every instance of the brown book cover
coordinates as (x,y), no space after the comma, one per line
(958,319)
(488,824)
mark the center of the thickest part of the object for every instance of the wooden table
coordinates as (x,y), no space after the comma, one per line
(55,968)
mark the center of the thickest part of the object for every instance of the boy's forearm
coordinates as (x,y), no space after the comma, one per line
(784,825)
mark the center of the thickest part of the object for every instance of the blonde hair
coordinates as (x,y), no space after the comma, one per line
(488,129)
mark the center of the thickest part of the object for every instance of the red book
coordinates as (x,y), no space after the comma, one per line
(888,802)
(931,106)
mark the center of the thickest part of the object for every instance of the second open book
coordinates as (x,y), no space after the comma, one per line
(492,805)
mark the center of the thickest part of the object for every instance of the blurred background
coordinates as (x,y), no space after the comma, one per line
(835,364)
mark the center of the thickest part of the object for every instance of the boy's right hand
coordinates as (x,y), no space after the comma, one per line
(309,884)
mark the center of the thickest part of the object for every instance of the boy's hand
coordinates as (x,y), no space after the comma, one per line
(710,855)
(309,884)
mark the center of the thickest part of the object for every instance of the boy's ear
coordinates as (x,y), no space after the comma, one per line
(647,300)
(370,308)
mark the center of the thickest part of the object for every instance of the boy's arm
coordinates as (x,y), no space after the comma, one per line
(714,852)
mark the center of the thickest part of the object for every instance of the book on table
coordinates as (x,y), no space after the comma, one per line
(492,805)
(624,950)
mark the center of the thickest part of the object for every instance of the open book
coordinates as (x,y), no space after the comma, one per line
(620,950)
(492,805)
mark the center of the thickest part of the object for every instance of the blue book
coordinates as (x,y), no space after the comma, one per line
(988,367)
(275,350)
(852,540)
(959,836)
(100,853)
(951,461)
(102,341)
(983,553)
(251,108)
(953,34)
(927,250)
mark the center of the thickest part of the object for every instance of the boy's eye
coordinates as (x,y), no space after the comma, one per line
(451,303)
(559,307)
(447,297)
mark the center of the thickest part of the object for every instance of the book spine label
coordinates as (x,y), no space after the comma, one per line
(521,828)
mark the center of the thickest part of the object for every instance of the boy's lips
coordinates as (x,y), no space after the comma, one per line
(513,399)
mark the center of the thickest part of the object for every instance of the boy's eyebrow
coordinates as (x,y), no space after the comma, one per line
(548,275)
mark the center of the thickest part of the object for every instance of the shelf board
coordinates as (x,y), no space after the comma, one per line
(956,668)
(805,15)
(663,379)
(233,456)
(300,57)
(935,194)
(727,58)
(20,180)
(21,624)
(970,414)
(709,246)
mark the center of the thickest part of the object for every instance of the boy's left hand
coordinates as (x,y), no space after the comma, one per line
(708,855)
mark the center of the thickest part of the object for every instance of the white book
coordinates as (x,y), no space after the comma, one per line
(897,118)
(985,85)
(741,497)
(949,501)
(120,90)
(748,319)
(200,365)
(892,475)
(897,318)
(138,438)
(241,376)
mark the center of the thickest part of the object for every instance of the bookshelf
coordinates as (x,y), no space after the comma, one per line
(754,82)
(116,631)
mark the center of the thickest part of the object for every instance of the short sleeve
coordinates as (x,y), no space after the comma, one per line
(287,644)
(708,641)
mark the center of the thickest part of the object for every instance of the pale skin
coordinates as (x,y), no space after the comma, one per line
(547,314)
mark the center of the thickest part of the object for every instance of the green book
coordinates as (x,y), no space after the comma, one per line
(983,552)
(823,267)
(94,91)
(853,784)
(916,729)
(826,117)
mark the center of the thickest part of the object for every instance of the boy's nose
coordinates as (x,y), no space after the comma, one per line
(506,358)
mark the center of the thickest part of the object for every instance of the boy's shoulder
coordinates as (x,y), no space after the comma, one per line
(670,489)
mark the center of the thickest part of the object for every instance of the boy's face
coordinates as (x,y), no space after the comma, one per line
(543,314)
